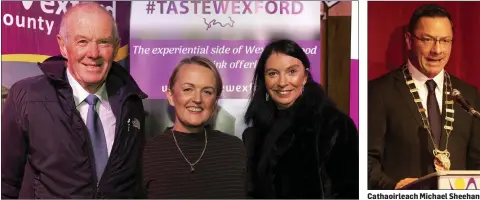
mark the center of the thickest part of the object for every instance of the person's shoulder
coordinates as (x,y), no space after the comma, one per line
(249,130)
(155,141)
(226,136)
(337,118)
(319,109)
(120,72)
(29,85)
(337,128)
(29,82)
(154,152)
(232,142)
(384,79)
(248,134)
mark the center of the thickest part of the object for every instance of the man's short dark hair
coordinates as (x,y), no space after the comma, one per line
(428,10)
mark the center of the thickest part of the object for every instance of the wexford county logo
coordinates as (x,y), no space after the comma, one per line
(40,15)
(219,9)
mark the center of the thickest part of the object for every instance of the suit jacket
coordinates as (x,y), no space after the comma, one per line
(398,145)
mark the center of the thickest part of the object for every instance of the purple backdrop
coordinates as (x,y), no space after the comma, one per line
(30,33)
(153,70)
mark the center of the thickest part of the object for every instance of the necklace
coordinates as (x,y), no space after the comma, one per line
(442,157)
(192,165)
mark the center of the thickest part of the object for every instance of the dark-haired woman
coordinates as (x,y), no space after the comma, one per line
(298,144)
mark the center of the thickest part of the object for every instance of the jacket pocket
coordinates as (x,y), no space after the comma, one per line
(39,190)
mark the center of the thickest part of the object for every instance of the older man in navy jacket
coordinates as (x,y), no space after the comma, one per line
(77,130)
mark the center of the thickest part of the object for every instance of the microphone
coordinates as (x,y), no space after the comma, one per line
(460,100)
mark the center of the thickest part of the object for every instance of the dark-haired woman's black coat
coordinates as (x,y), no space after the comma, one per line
(314,155)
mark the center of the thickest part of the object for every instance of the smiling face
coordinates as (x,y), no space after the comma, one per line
(285,77)
(430,45)
(193,94)
(89,46)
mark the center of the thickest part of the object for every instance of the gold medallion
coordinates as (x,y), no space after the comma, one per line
(442,160)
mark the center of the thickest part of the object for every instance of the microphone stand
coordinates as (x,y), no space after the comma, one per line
(474,113)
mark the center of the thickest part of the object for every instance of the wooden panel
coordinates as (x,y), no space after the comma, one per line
(338,60)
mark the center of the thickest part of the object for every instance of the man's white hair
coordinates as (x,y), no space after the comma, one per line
(63,32)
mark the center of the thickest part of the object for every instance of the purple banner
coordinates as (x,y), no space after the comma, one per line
(154,61)
(30,27)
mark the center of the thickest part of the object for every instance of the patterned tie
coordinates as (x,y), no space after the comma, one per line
(97,136)
(434,116)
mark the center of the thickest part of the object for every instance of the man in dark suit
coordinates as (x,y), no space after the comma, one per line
(414,126)
(76,131)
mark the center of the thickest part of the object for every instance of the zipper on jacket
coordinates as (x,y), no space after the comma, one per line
(90,147)
(91,155)
(97,189)
(115,143)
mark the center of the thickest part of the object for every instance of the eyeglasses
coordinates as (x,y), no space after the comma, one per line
(432,41)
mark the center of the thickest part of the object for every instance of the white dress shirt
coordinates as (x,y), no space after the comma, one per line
(103,108)
(420,82)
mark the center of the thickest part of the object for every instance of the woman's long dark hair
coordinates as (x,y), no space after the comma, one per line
(259,111)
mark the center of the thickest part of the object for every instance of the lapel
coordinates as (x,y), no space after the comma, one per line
(457,121)
(120,86)
(74,115)
(114,86)
(443,137)
(405,94)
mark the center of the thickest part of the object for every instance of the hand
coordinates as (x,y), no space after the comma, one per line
(404,182)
